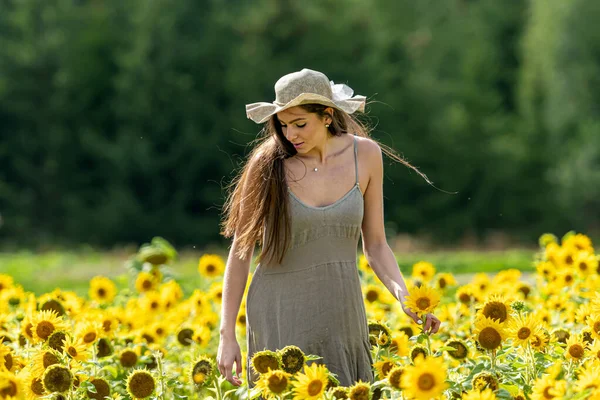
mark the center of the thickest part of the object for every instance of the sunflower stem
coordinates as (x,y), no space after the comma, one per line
(493,361)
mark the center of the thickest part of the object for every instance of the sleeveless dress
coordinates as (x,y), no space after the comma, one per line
(313,299)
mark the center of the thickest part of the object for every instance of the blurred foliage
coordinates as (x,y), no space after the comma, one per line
(120,121)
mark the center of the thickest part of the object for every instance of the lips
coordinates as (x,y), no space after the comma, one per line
(298,144)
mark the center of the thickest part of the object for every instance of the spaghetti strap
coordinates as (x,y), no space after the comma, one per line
(355,161)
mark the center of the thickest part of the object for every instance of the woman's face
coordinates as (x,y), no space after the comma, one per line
(303,129)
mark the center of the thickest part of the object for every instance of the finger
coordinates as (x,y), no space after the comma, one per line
(427,325)
(228,374)
(238,368)
(436,325)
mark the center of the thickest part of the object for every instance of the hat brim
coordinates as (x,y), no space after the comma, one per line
(261,112)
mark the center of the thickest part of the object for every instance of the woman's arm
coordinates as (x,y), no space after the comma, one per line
(378,253)
(234,284)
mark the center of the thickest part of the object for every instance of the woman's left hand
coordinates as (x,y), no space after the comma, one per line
(431,323)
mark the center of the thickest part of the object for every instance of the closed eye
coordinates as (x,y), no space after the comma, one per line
(299,126)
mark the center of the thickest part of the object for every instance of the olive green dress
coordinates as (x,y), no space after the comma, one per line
(313,299)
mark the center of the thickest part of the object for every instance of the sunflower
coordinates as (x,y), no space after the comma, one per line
(292,359)
(274,383)
(363,264)
(539,342)
(588,377)
(202,371)
(102,389)
(461,350)
(422,300)
(57,339)
(423,271)
(593,321)
(339,392)
(489,333)
(211,265)
(140,384)
(546,269)
(215,292)
(103,347)
(10,386)
(523,329)
(360,391)
(380,332)
(42,358)
(464,295)
(263,360)
(475,394)
(586,263)
(311,384)
(202,336)
(575,348)
(418,350)
(145,282)
(76,349)
(548,388)
(399,344)
(57,379)
(6,282)
(102,289)
(384,366)
(444,279)
(580,242)
(497,308)
(32,384)
(43,323)
(394,377)
(372,293)
(128,358)
(594,350)
(425,379)
(485,380)
(6,358)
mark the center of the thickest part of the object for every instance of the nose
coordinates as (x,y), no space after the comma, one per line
(289,133)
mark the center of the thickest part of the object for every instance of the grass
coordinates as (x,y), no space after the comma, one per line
(43,272)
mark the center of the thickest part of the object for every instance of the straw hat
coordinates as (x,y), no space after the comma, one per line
(306,87)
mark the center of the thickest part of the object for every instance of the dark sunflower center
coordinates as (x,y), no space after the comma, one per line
(8,361)
(464,298)
(141,384)
(106,325)
(9,390)
(128,359)
(264,363)
(102,390)
(44,329)
(426,381)
(101,292)
(547,394)
(460,352)
(72,351)
(37,387)
(576,350)
(210,268)
(583,266)
(185,336)
(386,368)
(146,284)
(372,295)
(314,387)
(57,379)
(277,383)
(89,337)
(395,378)
(442,282)
(569,259)
(495,310)
(524,333)
(597,327)
(568,278)
(49,359)
(423,303)
(489,338)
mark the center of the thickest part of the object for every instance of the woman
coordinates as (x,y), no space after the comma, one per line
(309,189)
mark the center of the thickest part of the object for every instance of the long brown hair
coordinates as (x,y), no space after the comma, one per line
(264,192)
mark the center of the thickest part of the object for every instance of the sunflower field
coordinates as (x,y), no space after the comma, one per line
(505,336)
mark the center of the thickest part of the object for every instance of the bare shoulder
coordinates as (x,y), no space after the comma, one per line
(369,151)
